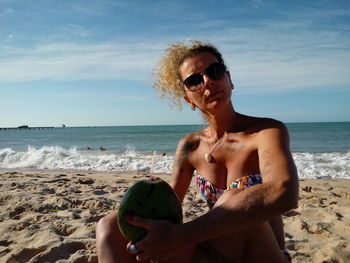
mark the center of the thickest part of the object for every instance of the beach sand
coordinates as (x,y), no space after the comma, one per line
(50,216)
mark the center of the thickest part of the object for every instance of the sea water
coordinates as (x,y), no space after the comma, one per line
(320,150)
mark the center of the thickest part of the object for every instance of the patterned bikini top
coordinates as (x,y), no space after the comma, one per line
(211,193)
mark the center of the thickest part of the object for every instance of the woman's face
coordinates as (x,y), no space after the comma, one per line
(211,93)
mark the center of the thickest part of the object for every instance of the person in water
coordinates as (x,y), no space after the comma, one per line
(243,168)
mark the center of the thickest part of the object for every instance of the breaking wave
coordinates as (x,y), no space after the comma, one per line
(309,165)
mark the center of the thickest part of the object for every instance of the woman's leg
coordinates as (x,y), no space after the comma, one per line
(262,246)
(249,246)
(255,244)
(277,227)
(110,244)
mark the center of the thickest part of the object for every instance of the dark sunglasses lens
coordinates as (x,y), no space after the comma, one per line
(216,71)
(193,80)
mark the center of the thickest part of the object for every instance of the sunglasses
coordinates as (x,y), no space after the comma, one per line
(215,71)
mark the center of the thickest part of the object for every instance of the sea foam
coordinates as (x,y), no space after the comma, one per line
(56,157)
(309,165)
(323,165)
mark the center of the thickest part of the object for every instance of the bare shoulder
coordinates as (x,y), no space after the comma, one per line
(264,127)
(190,142)
(273,130)
(266,132)
(185,149)
(256,124)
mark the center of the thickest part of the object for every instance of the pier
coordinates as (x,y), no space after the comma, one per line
(30,128)
(26,127)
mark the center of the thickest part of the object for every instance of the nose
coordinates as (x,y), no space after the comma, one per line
(208,82)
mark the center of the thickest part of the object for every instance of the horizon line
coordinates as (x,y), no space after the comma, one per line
(136,125)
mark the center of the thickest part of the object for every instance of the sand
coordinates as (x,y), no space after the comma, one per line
(50,216)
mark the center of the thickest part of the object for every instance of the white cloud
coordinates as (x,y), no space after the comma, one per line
(292,52)
(282,55)
(90,97)
(275,73)
(257,65)
(6,12)
(75,30)
(70,61)
(257,3)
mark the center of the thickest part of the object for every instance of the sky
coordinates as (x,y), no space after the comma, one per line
(90,63)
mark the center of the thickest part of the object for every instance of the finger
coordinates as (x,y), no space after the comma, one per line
(128,246)
(142,257)
(133,249)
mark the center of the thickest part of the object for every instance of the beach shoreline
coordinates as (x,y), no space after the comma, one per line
(50,215)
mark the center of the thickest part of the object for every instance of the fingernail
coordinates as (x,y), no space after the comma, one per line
(129,218)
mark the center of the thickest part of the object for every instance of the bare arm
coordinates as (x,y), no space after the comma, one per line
(182,169)
(240,209)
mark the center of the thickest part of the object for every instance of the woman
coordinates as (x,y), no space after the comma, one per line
(245,172)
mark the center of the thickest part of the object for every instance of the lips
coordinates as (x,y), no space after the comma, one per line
(213,95)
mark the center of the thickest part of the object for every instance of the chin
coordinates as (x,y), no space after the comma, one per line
(214,105)
(218,100)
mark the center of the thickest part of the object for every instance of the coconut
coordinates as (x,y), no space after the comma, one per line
(152,199)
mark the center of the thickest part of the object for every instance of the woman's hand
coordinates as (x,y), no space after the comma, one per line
(161,241)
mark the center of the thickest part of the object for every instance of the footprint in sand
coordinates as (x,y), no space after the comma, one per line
(27,254)
(57,180)
(4,250)
(296,247)
(307,189)
(339,216)
(288,235)
(302,255)
(5,243)
(15,214)
(62,229)
(336,195)
(99,192)
(64,251)
(291,213)
(48,191)
(86,181)
(120,181)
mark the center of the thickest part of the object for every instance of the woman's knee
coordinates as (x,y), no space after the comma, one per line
(262,245)
(107,226)
(110,244)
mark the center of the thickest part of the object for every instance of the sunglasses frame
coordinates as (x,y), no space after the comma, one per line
(199,76)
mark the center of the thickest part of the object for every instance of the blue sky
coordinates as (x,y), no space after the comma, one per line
(85,63)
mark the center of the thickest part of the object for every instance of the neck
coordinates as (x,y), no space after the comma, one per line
(223,120)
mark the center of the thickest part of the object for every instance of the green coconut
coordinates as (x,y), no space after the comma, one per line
(152,199)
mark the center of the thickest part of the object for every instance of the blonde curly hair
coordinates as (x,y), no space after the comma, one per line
(168,81)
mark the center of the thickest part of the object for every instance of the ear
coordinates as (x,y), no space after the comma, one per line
(188,101)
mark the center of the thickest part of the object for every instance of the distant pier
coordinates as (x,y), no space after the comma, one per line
(26,127)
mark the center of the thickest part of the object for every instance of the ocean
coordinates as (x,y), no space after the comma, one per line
(320,150)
